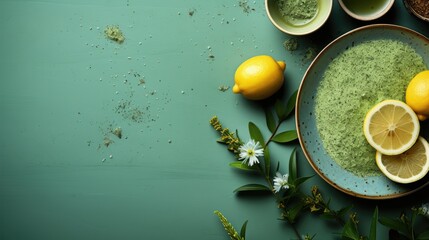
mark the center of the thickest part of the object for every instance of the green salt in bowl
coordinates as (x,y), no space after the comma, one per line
(276,18)
(371,187)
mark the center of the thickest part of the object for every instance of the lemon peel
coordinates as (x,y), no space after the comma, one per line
(259,77)
(417,95)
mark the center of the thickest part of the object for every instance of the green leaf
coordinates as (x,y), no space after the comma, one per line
(267,159)
(343,211)
(350,230)
(373,229)
(393,234)
(293,172)
(271,122)
(423,236)
(284,111)
(284,137)
(413,218)
(278,166)
(241,166)
(293,212)
(256,134)
(280,110)
(291,104)
(243,230)
(252,187)
(394,224)
(236,135)
(300,180)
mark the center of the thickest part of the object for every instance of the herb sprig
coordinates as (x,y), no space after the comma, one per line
(292,201)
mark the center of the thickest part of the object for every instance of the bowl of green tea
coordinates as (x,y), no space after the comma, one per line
(298,17)
(366,10)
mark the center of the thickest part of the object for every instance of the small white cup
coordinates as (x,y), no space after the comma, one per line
(366,10)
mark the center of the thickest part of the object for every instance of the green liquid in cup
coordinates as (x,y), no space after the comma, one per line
(365,7)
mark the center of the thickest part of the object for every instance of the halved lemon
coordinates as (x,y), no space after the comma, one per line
(391,127)
(407,167)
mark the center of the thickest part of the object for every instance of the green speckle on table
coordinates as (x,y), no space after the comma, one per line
(291,44)
(223,88)
(117,132)
(245,6)
(298,10)
(114,33)
(310,54)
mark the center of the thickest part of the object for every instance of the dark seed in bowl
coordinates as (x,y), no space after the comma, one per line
(421,7)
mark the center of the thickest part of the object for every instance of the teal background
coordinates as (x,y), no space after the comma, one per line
(64,87)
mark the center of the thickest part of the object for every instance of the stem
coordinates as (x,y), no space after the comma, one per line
(296,231)
(274,132)
(268,180)
(265,176)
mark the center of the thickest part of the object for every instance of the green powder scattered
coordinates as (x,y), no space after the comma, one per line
(298,11)
(354,82)
(310,54)
(114,33)
(290,44)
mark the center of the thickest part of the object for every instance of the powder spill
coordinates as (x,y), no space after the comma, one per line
(114,33)
(290,44)
(354,82)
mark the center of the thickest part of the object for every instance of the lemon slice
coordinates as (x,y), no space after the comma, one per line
(407,167)
(391,127)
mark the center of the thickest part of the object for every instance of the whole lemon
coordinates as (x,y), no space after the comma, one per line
(417,95)
(259,77)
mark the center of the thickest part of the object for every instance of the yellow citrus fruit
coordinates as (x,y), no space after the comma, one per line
(407,167)
(391,127)
(259,77)
(417,95)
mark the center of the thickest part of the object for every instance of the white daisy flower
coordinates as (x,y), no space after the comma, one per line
(424,209)
(250,152)
(280,182)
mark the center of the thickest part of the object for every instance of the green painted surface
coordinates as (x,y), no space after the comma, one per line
(64,87)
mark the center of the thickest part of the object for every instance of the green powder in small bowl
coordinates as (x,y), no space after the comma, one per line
(298,12)
(298,17)
(352,84)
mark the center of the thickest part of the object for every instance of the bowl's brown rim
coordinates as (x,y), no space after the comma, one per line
(297,107)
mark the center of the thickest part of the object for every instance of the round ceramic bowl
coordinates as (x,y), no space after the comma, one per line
(366,10)
(370,187)
(409,7)
(275,16)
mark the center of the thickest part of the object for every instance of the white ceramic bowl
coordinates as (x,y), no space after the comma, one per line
(324,10)
(372,13)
